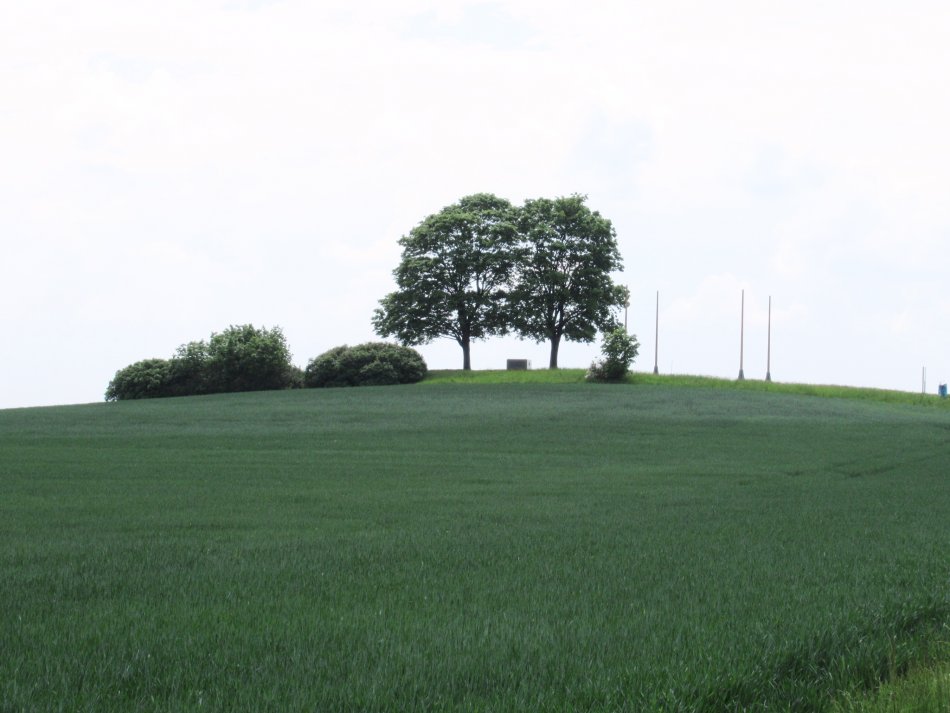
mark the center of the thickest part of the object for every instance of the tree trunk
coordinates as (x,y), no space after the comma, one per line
(555,344)
(466,354)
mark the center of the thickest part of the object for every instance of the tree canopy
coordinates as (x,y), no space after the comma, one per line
(564,289)
(482,267)
(454,274)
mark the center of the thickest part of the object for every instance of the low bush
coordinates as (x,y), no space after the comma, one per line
(245,358)
(241,358)
(370,364)
(619,349)
(146,379)
(188,370)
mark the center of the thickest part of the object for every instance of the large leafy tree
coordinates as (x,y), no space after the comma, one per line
(564,288)
(453,275)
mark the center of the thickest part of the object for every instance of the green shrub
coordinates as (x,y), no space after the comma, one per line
(619,349)
(188,370)
(293,377)
(326,369)
(370,364)
(244,358)
(144,379)
(241,358)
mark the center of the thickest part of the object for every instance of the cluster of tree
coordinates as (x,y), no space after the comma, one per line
(370,364)
(241,358)
(483,267)
(478,268)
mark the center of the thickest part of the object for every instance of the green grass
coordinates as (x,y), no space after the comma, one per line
(495,547)
(500,376)
(576,376)
(921,690)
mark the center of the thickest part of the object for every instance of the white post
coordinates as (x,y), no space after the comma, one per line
(768,358)
(742,337)
(656,340)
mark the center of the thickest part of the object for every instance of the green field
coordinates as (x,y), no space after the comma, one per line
(520,546)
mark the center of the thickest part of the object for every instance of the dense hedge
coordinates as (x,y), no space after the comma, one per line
(244,358)
(144,379)
(241,358)
(370,364)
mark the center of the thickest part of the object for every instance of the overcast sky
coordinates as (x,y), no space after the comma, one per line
(170,168)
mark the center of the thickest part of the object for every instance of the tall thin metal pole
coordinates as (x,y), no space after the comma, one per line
(768,359)
(742,338)
(656,340)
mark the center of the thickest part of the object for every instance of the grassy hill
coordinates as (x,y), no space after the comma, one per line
(576,376)
(532,546)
